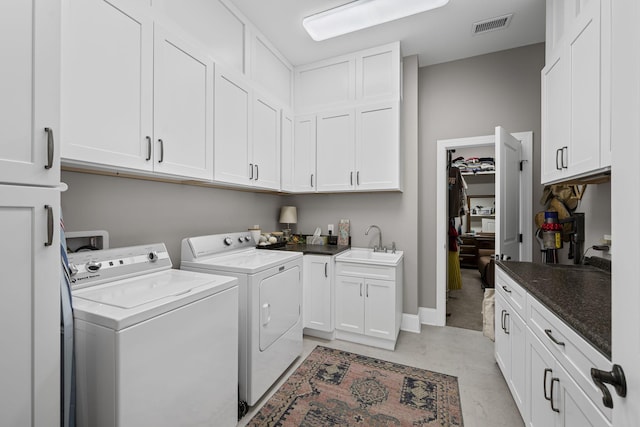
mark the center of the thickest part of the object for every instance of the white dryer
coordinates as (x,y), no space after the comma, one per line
(154,346)
(270,282)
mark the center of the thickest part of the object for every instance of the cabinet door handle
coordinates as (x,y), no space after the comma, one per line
(615,377)
(565,149)
(311,180)
(367,290)
(351,178)
(161,159)
(553,380)
(507,290)
(49,241)
(358,178)
(148,138)
(360,289)
(552,338)
(325,270)
(50,148)
(251,167)
(558,151)
(506,330)
(257,171)
(544,383)
(502,319)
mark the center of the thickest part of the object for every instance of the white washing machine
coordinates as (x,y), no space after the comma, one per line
(270,282)
(154,346)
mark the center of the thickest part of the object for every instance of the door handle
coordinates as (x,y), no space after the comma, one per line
(367,290)
(558,167)
(544,383)
(251,167)
(507,290)
(565,149)
(615,377)
(257,171)
(49,241)
(552,338)
(50,148)
(148,148)
(358,178)
(161,159)
(553,380)
(351,178)
(360,289)
(506,330)
(502,319)
(325,270)
(266,314)
(311,180)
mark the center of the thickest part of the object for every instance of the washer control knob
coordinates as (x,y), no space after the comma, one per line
(228,241)
(93,266)
(153,256)
(73,269)
(240,239)
(247,238)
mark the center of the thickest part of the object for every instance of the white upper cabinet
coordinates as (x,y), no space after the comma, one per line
(271,71)
(265,143)
(29,77)
(576,90)
(378,73)
(183,108)
(325,84)
(299,154)
(336,151)
(107,84)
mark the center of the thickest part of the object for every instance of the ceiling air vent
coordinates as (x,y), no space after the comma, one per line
(492,24)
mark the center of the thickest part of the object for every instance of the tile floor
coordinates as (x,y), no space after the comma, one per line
(485,398)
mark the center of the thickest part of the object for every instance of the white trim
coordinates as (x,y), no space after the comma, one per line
(410,323)
(366,339)
(329,336)
(429,316)
(526,218)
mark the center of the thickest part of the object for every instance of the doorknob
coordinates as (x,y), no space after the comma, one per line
(615,377)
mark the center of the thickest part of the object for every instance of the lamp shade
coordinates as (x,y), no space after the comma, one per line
(288,215)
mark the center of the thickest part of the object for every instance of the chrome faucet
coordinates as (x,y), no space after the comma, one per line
(379,247)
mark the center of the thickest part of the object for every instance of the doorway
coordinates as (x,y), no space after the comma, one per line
(524,220)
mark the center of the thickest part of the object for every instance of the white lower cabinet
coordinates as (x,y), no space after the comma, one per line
(545,363)
(368,310)
(318,293)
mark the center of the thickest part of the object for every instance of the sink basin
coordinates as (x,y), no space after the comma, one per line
(368,256)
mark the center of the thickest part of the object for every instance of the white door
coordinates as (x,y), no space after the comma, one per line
(30,306)
(318,271)
(377,147)
(107,84)
(625,198)
(539,377)
(183,108)
(508,156)
(304,157)
(336,151)
(265,143)
(287,126)
(350,304)
(232,108)
(380,308)
(30,88)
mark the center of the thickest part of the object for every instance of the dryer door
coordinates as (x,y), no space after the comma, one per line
(279,305)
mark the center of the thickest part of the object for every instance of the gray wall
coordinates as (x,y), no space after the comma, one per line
(136,212)
(469,98)
(395,213)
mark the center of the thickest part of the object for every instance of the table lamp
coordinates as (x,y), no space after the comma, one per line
(288,215)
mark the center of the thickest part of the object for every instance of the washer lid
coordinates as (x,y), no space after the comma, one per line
(123,303)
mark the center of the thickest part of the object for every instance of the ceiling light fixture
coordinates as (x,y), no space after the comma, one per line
(361,14)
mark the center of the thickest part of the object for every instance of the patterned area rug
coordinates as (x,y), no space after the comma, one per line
(338,388)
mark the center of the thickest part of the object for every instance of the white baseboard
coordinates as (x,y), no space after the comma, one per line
(410,323)
(428,316)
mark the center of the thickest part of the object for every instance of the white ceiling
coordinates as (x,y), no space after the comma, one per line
(437,36)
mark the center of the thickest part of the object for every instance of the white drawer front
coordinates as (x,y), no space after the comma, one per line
(575,354)
(513,293)
(365,271)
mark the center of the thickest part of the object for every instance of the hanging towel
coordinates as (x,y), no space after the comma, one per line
(67,359)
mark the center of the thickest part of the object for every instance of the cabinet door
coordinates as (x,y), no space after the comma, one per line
(380,308)
(518,377)
(378,147)
(183,108)
(287,126)
(304,154)
(350,304)
(542,370)
(107,84)
(336,151)
(318,273)
(232,102)
(265,143)
(576,409)
(30,306)
(30,88)
(502,342)
(556,131)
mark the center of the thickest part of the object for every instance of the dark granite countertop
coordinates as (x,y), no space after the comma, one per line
(578,294)
(314,249)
